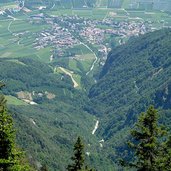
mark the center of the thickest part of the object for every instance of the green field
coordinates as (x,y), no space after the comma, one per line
(125,4)
(8,5)
(79,49)
(117,14)
(81,62)
(14,101)
(87,13)
(17,38)
(24,25)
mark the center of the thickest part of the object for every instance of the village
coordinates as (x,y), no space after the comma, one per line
(65,32)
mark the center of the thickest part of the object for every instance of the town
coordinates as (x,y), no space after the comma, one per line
(65,32)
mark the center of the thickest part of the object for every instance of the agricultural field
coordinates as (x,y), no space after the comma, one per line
(86,13)
(117,14)
(95,13)
(102,3)
(81,62)
(17,37)
(9,5)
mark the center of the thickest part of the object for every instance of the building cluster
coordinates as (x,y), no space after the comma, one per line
(67,31)
(93,35)
(57,37)
(126,29)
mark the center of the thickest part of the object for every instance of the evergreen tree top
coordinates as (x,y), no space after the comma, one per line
(78,158)
(10,156)
(147,142)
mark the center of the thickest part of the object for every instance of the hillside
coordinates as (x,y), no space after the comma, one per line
(59,84)
(48,113)
(135,75)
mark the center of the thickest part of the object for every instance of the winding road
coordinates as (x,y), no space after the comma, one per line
(9,27)
(13,19)
(96,58)
(68,73)
(53,6)
(96,127)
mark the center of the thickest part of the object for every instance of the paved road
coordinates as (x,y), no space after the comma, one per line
(94,62)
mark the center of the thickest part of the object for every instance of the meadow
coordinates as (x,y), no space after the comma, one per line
(14,101)
(115,13)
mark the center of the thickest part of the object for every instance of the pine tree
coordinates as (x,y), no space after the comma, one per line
(78,157)
(165,161)
(10,156)
(147,142)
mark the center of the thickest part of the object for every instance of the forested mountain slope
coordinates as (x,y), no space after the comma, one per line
(135,75)
(48,113)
